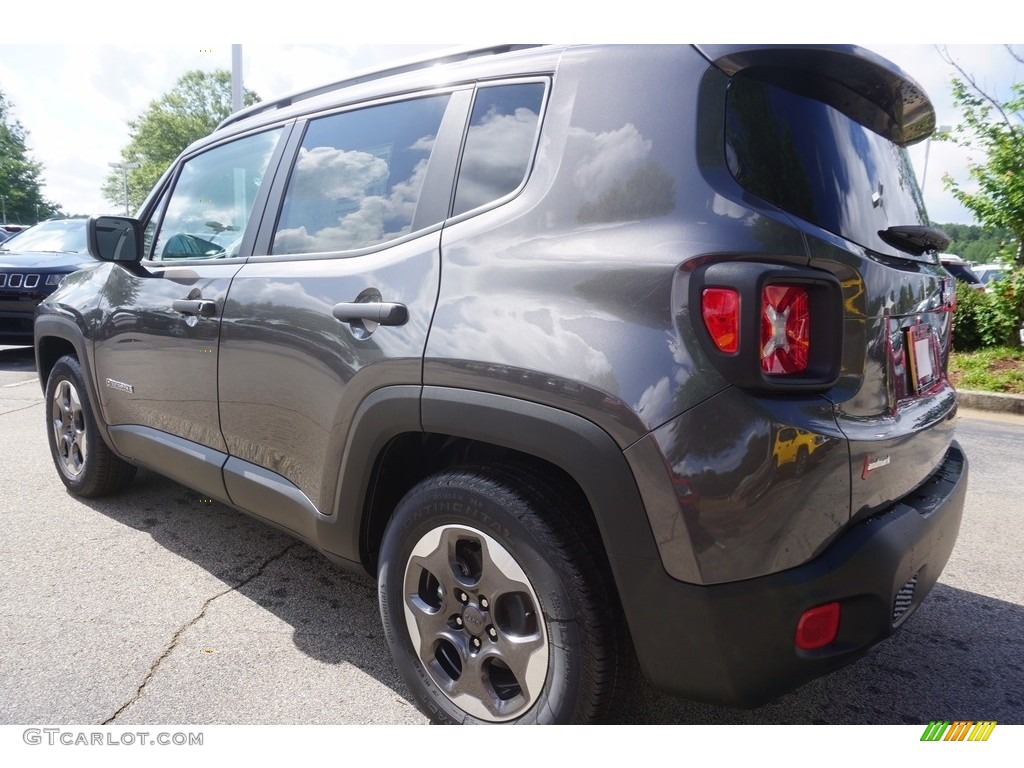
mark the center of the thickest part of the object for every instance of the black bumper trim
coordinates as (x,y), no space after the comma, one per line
(733,643)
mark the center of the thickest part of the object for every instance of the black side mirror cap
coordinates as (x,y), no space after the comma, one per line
(115,238)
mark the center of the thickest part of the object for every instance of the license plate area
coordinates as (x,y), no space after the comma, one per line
(923,360)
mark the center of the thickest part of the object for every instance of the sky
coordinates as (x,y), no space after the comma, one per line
(75,99)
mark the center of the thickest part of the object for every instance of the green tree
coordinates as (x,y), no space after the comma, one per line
(980,245)
(20,184)
(189,111)
(996,127)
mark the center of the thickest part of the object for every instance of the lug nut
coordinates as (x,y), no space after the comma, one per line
(463,597)
(458,621)
(476,642)
(492,633)
(484,604)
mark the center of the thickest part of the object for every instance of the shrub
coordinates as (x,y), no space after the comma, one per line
(991,318)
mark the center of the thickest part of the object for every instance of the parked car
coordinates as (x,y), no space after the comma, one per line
(990,273)
(32,264)
(514,331)
(961,270)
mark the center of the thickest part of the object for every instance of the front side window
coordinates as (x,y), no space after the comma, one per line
(207,212)
(500,143)
(358,176)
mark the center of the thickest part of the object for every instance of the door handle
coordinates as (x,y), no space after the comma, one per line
(380,312)
(198,307)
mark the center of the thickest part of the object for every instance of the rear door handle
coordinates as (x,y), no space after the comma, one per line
(198,307)
(380,312)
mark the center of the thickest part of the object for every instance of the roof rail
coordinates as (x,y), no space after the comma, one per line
(449,57)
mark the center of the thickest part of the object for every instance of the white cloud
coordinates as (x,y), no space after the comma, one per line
(609,157)
(75,99)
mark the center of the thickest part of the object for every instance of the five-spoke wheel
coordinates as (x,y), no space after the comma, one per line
(494,604)
(475,622)
(84,462)
(69,433)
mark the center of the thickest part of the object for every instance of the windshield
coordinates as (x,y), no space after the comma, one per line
(60,235)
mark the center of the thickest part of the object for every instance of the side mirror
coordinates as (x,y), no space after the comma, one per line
(115,238)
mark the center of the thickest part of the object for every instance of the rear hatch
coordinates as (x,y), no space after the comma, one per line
(821,134)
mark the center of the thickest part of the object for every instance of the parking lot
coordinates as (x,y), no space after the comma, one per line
(159,607)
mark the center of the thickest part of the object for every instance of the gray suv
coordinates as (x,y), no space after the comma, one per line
(591,355)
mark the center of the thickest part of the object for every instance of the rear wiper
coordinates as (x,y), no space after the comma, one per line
(915,239)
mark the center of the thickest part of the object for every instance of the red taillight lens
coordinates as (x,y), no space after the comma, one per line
(818,627)
(720,308)
(785,329)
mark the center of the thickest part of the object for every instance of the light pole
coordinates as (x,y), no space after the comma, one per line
(927,149)
(125,167)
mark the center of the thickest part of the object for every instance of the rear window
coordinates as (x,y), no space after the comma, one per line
(961,272)
(817,163)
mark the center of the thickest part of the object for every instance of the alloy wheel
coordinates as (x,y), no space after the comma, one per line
(68,420)
(475,622)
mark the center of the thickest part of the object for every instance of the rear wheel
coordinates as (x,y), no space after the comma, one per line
(801,462)
(84,462)
(493,605)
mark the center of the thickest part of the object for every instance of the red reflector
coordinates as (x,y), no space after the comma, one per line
(720,308)
(818,627)
(785,329)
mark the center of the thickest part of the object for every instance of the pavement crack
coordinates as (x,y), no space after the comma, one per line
(172,646)
(23,408)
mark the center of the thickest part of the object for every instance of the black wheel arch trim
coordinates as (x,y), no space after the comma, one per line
(582,449)
(579,447)
(58,326)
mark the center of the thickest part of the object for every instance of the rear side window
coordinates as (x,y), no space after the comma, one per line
(500,143)
(814,161)
(358,176)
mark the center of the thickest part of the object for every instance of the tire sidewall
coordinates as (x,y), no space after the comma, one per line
(68,369)
(425,509)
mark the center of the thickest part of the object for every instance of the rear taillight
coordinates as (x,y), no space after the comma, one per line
(720,308)
(769,327)
(785,329)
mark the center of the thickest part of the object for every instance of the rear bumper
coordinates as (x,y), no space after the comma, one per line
(734,643)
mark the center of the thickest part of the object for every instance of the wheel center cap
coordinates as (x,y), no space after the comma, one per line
(473,619)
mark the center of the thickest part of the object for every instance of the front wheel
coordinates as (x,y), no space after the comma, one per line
(494,606)
(84,462)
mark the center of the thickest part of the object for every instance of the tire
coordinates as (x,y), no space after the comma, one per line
(802,458)
(83,460)
(494,606)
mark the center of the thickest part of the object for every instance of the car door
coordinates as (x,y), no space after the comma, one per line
(156,353)
(337,299)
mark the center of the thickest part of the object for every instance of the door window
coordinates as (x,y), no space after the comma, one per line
(209,208)
(358,177)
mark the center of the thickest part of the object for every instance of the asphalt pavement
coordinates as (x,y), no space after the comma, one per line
(157,607)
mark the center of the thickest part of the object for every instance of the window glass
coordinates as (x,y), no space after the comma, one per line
(814,161)
(358,176)
(209,208)
(499,147)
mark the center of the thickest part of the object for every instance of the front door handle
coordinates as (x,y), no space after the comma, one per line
(380,312)
(197,307)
